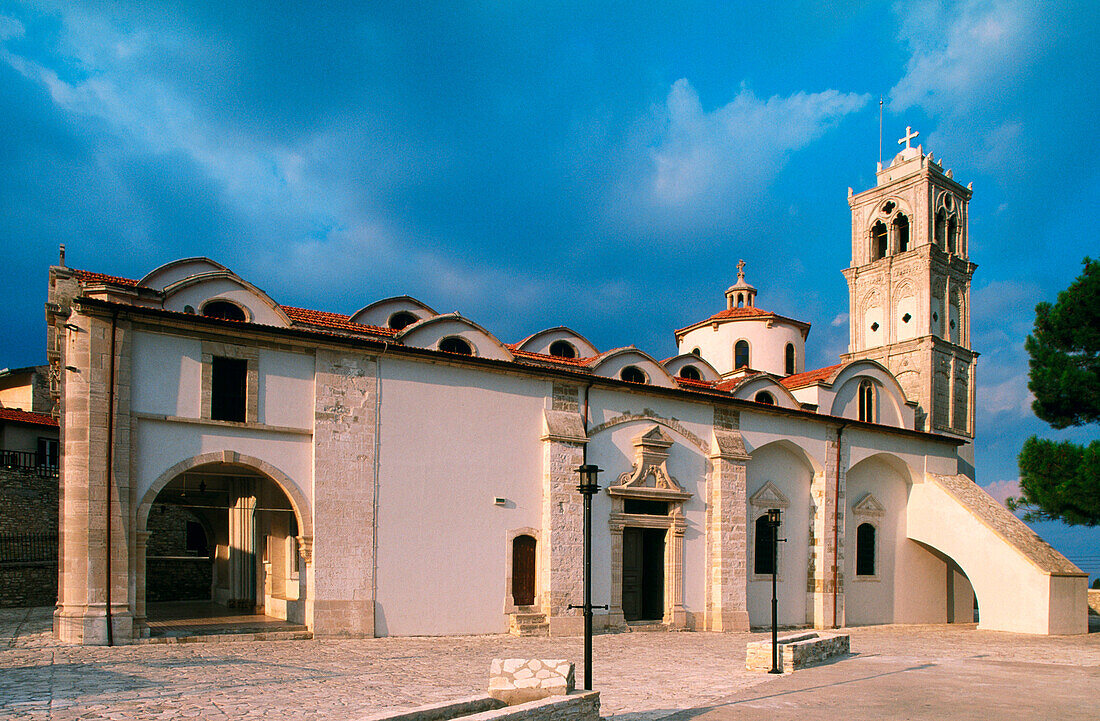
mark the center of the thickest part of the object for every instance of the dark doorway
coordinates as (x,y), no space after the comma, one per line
(523,571)
(644,574)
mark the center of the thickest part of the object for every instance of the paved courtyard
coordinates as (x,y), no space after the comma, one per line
(896,672)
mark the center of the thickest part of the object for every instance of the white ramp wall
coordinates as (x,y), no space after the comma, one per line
(1022,584)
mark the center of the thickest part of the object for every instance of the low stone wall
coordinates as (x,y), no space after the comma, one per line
(518,680)
(576,706)
(28,584)
(797,651)
(180,578)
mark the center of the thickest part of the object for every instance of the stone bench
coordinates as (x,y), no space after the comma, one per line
(797,651)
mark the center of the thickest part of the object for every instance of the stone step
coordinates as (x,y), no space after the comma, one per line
(646,626)
(528,617)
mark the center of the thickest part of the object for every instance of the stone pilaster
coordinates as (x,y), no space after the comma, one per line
(81,615)
(562,551)
(141,622)
(825,573)
(344,487)
(243,556)
(726,528)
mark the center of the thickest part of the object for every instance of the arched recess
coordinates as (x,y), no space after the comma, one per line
(877,491)
(165,275)
(892,405)
(677,364)
(517,569)
(781,472)
(540,342)
(201,288)
(429,333)
(751,386)
(612,363)
(383,312)
(262,531)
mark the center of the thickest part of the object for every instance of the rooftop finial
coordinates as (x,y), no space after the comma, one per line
(909,135)
(61,253)
(741,270)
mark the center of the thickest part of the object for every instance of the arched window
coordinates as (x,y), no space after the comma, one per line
(691,373)
(223,309)
(867,401)
(696,351)
(788,359)
(765,397)
(952,234)
(941,230)
(741,354)
(454,344)
(632,374)
(878,240)
(865,550)
(523,570)
(901,230)
(563,349)
(401,319)
(763,561)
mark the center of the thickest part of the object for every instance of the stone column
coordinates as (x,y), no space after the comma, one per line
(306,583)
(615,617)
(342,583)
(562,549)
(675,613)
(242,544)
(726,524)
(141,622)
(81,615)
(826,570)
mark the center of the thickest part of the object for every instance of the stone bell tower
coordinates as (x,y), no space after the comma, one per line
(909,286)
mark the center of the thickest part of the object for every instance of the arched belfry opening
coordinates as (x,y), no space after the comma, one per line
(224,541)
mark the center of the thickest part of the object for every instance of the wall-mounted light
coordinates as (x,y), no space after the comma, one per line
(73,327)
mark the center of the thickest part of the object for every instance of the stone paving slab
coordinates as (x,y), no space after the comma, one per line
(641,676)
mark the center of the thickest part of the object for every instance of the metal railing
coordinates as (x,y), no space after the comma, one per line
(29,462)
(28,547)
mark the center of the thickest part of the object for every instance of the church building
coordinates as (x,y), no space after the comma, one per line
(399,471)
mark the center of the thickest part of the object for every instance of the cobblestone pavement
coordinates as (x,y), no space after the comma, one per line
(641,675)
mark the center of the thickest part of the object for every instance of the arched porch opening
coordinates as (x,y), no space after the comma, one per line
(220,540)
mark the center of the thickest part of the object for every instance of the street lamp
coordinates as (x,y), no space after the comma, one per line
(774,519)
(588,487)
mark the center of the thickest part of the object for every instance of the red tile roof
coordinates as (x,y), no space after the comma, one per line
(740,314)
(333,320)
(36,419)
(85,276)
(529,355)
(799,380)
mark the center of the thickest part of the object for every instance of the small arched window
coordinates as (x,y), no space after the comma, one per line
(865,550)
(763,561)
(867,401)
(223,309)
(454,344)
(941,230)
(696,351)
(741,354)
(691,373)
(901,230)
(952,234)
(401,319)
(523,570)
(632,374)
(765,397)
(788,359)
(563,349)
(878,240)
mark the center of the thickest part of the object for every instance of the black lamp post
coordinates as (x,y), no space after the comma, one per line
(774,519)
(588,487)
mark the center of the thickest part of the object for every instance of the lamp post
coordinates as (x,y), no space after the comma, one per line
(774,519)
(588,487)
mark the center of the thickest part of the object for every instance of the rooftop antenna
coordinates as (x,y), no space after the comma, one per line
(880,132)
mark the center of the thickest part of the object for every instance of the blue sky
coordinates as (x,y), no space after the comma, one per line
(599,165)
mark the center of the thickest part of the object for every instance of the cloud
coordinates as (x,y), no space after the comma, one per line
(1009,397)
(840,320)
(963,53)
(1002,490)
(714,160)
(10,28)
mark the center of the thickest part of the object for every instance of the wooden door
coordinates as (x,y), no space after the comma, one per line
(632,573)
(523,570)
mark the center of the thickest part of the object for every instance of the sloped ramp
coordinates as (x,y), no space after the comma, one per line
(1021,583)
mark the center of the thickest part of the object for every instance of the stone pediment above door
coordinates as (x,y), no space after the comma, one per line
(769,496)
(649,478)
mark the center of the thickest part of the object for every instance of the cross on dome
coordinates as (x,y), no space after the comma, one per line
(909,135)
(741,270)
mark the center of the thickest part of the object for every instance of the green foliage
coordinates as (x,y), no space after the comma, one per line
(1065,353)
(1059,481)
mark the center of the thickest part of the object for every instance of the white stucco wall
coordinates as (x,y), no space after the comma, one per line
(766,345)
(286,389)
(167,373)
(451,440)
